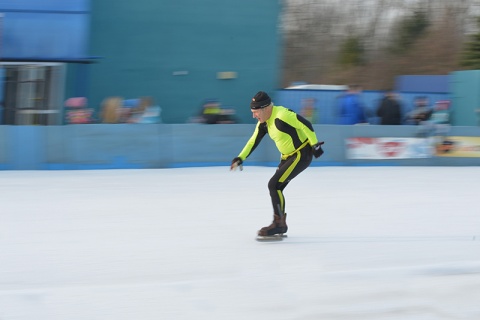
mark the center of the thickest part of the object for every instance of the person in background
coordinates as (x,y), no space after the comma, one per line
(297,142)
(441,113)
(421,111)
(128,110)
(211,111)
(77,111)
(146,112)
(111,110)
(308,110)
(351,109)
(389,110)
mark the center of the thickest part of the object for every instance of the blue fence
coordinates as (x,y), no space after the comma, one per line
(104,146)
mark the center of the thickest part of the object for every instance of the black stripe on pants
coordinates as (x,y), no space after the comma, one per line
(286,171)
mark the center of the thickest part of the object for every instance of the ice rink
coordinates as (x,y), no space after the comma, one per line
(364,243)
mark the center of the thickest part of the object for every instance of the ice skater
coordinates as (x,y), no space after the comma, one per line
(297,142)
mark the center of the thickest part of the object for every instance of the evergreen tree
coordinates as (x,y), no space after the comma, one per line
(408,31)
(471,52)
(351,52)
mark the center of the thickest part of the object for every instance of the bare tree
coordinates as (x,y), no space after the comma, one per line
(310,45)
(315,29)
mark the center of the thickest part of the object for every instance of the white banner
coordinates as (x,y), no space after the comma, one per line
(388,148)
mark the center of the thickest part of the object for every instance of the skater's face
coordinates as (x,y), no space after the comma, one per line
(263,114)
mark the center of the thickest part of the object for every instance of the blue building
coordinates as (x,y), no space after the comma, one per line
(40,43)
(179,52)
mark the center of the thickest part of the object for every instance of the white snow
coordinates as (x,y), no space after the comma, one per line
(364,243)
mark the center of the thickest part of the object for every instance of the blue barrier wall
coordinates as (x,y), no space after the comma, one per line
(165,146)
(423,83)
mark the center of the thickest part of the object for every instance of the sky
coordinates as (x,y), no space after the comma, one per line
(363,243)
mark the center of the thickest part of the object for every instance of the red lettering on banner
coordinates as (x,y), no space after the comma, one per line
(359,142)
(391,148)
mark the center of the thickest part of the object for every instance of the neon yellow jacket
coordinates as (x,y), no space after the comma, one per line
(289,130)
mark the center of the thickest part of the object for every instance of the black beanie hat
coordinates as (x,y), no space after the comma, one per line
(260,100)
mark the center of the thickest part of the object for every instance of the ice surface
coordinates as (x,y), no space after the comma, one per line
(363,243)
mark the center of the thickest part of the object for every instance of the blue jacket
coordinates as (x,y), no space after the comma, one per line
(351,110)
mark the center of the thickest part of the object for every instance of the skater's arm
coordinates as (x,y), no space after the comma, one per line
(253,142)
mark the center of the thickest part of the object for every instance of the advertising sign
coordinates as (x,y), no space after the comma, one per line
(468,147)
(388,148)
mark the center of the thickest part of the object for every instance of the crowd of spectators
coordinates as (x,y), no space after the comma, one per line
(390,110)
(113,110)
(350,109)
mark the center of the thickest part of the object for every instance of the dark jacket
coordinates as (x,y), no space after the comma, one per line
(389,111)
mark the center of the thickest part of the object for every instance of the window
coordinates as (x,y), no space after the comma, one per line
(32,93)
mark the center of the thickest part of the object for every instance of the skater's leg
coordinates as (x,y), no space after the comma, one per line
(276,187)
(287,170)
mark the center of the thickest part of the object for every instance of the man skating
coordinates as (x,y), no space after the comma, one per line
(297,142)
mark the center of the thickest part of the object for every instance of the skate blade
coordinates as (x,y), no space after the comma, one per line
(275,237)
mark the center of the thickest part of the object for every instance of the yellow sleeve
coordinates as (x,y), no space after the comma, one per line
(252,143)
(302,124)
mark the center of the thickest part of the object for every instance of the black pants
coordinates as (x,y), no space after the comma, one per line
(286,171)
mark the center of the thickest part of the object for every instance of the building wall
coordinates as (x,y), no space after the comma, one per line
(172,50)
(465,88)
(35,30)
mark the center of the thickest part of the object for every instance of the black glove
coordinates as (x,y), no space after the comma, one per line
(317,149)
(236,162)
